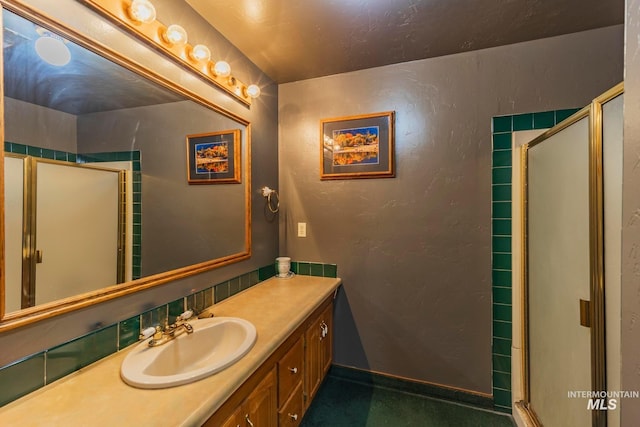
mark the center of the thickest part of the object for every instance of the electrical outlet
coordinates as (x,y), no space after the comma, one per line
(302,229)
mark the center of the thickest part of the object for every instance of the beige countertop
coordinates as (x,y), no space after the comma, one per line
(97,396)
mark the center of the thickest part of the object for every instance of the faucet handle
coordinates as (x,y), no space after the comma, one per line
(184,316)
(147,333)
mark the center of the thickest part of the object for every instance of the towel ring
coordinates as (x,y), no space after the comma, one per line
(273,199)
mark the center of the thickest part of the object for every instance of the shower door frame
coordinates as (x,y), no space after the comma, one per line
(596,307)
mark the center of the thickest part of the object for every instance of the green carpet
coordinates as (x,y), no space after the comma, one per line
(341,403)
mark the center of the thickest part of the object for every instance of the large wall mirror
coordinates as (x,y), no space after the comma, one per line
(97,203)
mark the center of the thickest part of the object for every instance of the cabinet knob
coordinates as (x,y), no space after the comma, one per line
(293,370)
(294,417)
(246,417)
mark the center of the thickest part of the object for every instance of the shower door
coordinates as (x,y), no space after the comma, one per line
(66,229)
(572,217)
(77,230)
(558,260)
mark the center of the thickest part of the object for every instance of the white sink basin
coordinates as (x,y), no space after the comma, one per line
(215,344)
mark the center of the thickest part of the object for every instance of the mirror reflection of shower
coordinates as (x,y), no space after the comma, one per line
(77,219)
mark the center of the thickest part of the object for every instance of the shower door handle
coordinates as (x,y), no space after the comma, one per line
(585,313)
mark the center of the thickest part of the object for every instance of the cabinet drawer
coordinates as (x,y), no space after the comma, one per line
(290,371)
(291,413)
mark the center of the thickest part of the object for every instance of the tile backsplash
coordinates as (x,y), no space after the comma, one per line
(33,372)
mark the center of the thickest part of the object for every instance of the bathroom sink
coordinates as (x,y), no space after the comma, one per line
(215,344)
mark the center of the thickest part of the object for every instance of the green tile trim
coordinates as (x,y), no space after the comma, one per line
(501,363)
(523,122)
(128,332)
(71,356)
(501,278)
(564,114)
(501,243)
(268,271)
(502,312)
(502,397)
(501,227)
(501,295)
(502,124)
(27,375)
(221,291)
(502,380)
(330,270)
(316,269)
(501,213)
(501,158)
(425,389)
(304,268)
(502,141)
(501,346)
(501,193)
(543,120)
(234,286)
(501,175)
(175,309)
(501,261)
(21,378)
(501,210)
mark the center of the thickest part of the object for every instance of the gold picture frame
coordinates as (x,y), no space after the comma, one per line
(214,157)
(358,146)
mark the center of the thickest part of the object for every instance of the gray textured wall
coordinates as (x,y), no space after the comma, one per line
(630,327)
(30,124)
(414,251)
(263,117)
(182,224)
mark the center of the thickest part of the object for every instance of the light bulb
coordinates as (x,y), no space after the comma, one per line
(175,35)
(142,11)
(52,50)
(200,53)
(253,91)
(222,69)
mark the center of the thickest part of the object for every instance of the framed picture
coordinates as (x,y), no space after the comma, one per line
(214,158)
(357,147)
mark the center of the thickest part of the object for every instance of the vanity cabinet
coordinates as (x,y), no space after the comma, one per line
(280,390)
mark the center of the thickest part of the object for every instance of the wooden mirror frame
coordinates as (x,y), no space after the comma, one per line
(9,321)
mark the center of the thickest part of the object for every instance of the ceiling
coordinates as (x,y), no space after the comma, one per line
(89,83)
(302,39)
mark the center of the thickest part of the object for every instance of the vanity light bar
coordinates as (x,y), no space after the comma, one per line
(138,17)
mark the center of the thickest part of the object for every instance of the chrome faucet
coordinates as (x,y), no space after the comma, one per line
(160,335)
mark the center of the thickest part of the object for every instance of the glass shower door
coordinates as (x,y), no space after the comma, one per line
(558,264)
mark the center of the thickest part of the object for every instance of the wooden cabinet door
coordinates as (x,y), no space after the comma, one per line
(326,344)
(236,419)
(261,407)
(312,369)
(319,352)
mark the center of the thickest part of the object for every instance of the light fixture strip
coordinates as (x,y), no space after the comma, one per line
(153,34)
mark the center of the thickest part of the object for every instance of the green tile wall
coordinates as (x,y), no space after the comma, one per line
(501,170)
(29,374)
